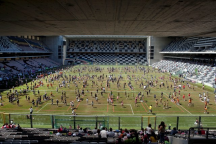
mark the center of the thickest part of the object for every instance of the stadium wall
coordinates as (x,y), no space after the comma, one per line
(159,43)
(55,43)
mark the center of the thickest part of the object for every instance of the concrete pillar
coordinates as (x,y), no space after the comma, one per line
(159,44)
(64,51)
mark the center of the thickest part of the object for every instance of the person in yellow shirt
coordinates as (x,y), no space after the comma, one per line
(150,109)
(153,137)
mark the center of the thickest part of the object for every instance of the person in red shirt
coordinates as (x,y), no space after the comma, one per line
(183,97)
(189,95)
(60,129)
(202,131)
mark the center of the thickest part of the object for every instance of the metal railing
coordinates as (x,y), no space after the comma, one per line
(116,122)
(201,135)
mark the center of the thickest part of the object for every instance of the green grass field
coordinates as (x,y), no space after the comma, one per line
(129,113)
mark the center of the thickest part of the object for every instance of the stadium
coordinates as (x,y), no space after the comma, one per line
(108,71)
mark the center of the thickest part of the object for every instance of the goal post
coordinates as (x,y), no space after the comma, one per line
(4,117)
(146,120)
(90,121)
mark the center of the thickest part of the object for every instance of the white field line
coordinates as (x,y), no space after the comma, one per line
(180,105)
(131,109)
(185,109)
(41,108)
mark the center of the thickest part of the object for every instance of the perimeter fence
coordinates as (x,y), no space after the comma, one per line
(115,122)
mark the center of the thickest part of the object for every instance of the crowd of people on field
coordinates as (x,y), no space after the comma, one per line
(65,78)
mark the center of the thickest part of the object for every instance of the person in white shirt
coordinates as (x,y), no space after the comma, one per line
(208,100)
(31,110)
(204,98)
(103,133)
(73,112)
(200,95)
(149,130)
(81,130)
(144,87)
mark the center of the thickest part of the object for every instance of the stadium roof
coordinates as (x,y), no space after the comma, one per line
(108,17)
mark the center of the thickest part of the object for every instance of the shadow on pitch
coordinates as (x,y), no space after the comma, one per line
(152,113)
